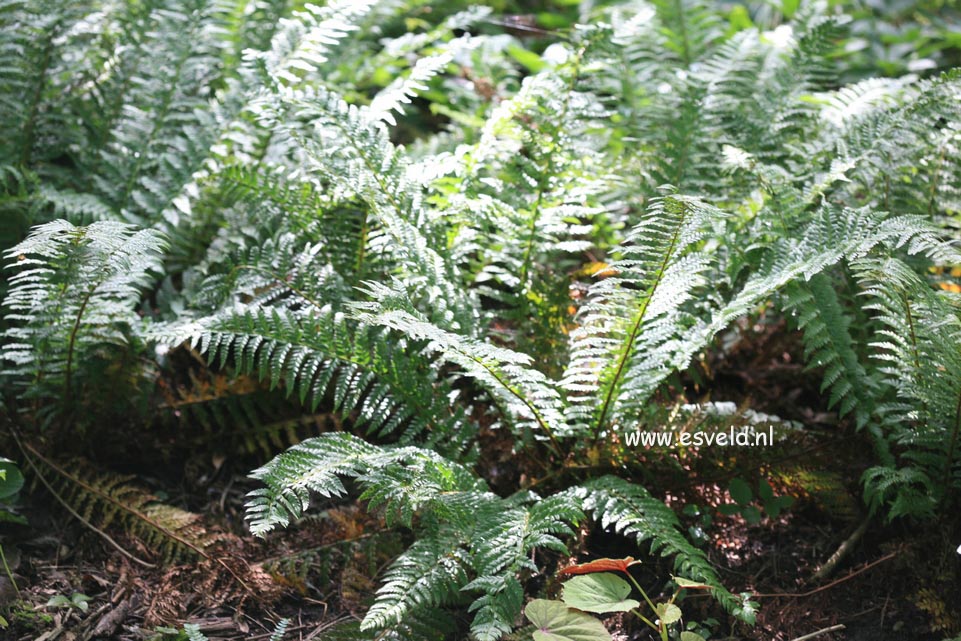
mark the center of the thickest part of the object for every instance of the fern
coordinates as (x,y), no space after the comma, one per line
(399,216)
(921,410)
(108,499)
(627,340)
(193,632)
(313,355)
(465,530)
(73,296)
(630,510)
(527,395)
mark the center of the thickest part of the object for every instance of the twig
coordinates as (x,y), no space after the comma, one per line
(323,627)
(833,628)
(886,557)
(829,566)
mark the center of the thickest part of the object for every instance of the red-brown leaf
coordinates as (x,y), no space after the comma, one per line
(600,565)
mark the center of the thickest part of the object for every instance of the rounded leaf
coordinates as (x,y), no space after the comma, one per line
(556,622)
(668,613)
(729,509)
(11,480)
(740,491)
(764,491)
(751,514)
(691,636)
(600,593)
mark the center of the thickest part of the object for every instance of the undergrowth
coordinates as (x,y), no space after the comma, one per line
(398,214)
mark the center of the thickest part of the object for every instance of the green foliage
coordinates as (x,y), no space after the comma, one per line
(597,590)
(72,304)
(11,482)
(569,222)
(744,499)
(74,601)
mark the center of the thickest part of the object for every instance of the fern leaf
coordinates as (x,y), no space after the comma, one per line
(75,293)
(630,510)
(430,573)
(528,396)
(110,499)
(625,344)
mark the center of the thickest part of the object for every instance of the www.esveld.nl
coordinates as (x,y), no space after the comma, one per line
(744,437)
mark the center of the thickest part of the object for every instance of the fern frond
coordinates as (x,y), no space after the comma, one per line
(74,294)
(432,624)
(915,323)
(526,395)
(629,509)
(356,154)
(399,92)
(828,345)
(430,573)
(108,499)
(315,465)
(317,355)
(627,342)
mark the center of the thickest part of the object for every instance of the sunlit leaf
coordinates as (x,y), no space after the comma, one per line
(556,622)
(599,593)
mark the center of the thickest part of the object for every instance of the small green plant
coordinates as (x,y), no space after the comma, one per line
(25,615)
(754,510)
(597,588)
(11,482)
(75,601)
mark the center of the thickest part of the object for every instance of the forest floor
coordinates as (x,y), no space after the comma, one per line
(899,581)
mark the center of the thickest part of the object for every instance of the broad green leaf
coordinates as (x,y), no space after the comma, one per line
(740,492)
(751,514)
(58,601)
(739,18)
(12,479)
(764,491)
(6,516)
(530,60)
(747,611)
(691,636)
(668,613)
(556,622)
(600,593)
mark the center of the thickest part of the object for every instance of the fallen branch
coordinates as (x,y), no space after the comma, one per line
(886,557)
(831,564)
(833,628)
